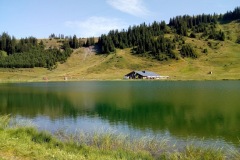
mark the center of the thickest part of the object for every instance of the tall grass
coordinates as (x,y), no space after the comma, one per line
(4,121)
(113,141)
(157,148)
(23,142)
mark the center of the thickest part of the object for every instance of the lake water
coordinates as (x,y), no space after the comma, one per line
(204,111)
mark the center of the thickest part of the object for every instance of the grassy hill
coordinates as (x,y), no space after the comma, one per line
(222,59)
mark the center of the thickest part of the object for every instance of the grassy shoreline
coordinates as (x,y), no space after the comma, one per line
(113,80)
(24,142)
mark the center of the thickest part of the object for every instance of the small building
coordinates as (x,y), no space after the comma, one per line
(143,75)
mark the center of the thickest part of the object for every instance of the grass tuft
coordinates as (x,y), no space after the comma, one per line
(4,121)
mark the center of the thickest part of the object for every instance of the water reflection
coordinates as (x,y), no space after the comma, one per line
(200,109)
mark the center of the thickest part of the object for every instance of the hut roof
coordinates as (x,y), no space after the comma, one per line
(145,73)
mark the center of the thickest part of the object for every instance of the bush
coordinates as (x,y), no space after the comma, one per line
(4,121)
(205,50)
(42,137)
(238,40)
(193,35)
(162,57)
(3,54)
(188,51)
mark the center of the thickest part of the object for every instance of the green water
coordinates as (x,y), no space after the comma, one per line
(208,109)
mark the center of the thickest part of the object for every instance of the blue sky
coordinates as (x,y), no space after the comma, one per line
(85,18)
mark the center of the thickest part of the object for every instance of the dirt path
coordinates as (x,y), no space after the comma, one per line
(89,51)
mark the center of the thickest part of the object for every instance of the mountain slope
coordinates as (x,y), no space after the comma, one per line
(222,60)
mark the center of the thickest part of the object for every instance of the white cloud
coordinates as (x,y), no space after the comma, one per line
(95,26)
(133,7)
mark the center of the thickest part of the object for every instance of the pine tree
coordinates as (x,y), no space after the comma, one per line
(75,43)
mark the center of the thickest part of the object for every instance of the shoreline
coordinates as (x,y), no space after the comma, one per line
(112,80)
(22,141)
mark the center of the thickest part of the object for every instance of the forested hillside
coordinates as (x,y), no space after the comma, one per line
(28,53)
(175,40)
(163,41)
(31,52)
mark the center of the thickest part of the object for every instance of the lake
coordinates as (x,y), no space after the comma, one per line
(203,111)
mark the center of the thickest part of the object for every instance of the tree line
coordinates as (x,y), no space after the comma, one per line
(29,53)
(73,41)
(150,40)
(11,45)
(232,15)
(37,57)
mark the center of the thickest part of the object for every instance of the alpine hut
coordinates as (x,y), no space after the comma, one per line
(142,75)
